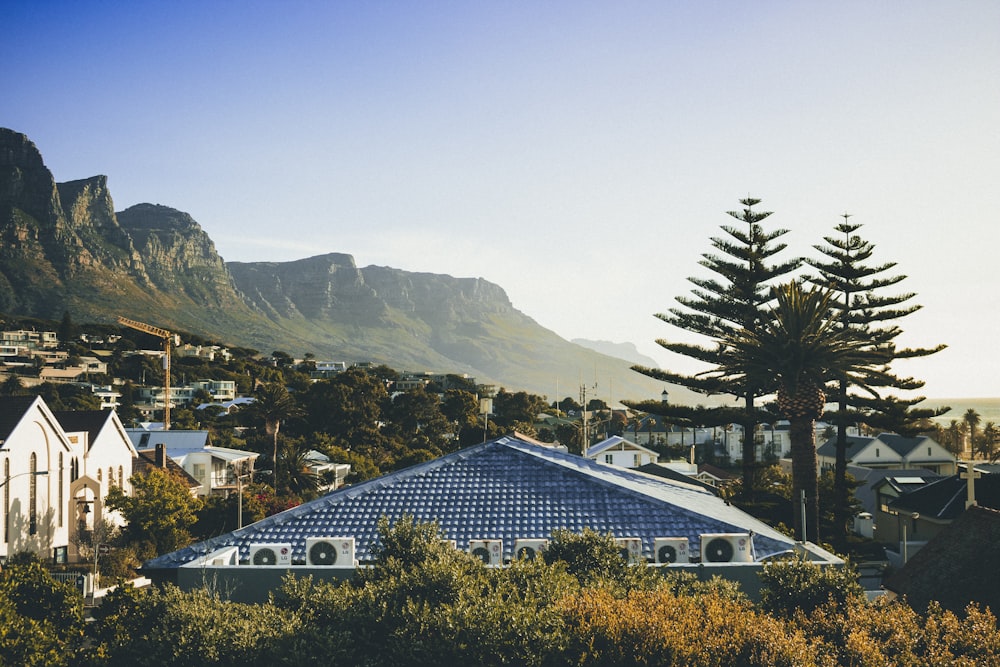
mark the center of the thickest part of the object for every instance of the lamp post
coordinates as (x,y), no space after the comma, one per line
(36,473)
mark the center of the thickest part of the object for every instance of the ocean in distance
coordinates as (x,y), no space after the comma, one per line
(988,409)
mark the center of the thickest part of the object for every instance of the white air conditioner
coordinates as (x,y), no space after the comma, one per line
(529,549)
(330,551)
(631,549)
(488,551)
(279,555)
(450,543)
(670,550)
(726,548)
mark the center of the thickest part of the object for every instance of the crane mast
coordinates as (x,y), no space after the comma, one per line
(167,340)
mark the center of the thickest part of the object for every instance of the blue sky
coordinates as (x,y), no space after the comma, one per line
(579,154)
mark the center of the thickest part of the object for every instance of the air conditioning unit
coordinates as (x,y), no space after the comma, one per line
(631,549)
(488,551)
(529,549)
(330,551)
(278,555)
(450,543)
(670,550)
(726,548)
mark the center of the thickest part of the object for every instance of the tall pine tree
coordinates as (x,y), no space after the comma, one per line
(861,304)
(735,299)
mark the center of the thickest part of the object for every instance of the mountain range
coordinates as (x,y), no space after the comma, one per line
(64,248)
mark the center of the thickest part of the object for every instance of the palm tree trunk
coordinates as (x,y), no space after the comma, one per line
(804,478)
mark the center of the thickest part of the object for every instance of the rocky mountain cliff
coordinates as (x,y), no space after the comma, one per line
(63,247)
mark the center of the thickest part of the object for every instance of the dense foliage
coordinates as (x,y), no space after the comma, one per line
(426,603)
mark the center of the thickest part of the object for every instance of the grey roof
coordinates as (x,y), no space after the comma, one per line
(615,441)
(902,480)
(855,443)
(508,489)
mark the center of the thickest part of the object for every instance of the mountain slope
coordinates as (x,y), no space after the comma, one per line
(64,248)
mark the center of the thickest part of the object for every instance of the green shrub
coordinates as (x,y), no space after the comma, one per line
(798,584)
(41,619)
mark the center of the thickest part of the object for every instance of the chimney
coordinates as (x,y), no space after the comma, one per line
(161,455)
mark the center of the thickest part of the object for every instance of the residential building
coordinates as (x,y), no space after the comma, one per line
(214,468)
(618,451)
(889,450)
(956,567)
(489,499)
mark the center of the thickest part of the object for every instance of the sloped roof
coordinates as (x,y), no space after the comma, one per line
(12,409)
(663,471)
(147,461)
(88,421)
(901,444)
(507,488)
(944,499)
(176,442)
(956,566)
(855,443)
(617,441)
(902,480)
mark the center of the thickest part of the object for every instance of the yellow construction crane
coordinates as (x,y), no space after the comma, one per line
(168,338)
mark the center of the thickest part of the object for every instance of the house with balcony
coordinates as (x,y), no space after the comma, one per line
(214,468)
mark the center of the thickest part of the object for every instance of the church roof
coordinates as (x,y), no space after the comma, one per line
(508,489)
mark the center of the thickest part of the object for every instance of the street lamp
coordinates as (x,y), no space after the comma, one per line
(22,474)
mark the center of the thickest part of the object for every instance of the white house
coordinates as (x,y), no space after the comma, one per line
(35,459)
(618,451)
(889,450)
(215,468)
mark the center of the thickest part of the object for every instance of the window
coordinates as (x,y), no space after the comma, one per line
(121,477)
(33,496)
(60,489)
(198,472)
(928,451)
(6,500)
(876,452)
(99,478)
(637,460)
(111,476)
(609,458)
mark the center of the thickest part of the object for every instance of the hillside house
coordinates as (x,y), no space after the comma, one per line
(214,468)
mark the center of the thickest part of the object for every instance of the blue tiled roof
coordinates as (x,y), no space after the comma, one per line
(508,489)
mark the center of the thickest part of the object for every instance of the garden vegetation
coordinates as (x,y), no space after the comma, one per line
(426,603)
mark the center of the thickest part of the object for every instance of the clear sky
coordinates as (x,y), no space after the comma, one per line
(579,154)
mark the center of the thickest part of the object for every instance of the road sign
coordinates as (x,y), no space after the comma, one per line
(103,549)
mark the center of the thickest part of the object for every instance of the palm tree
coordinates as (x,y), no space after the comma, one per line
(797,351)
(988,441)
(971,419)
(273,405)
